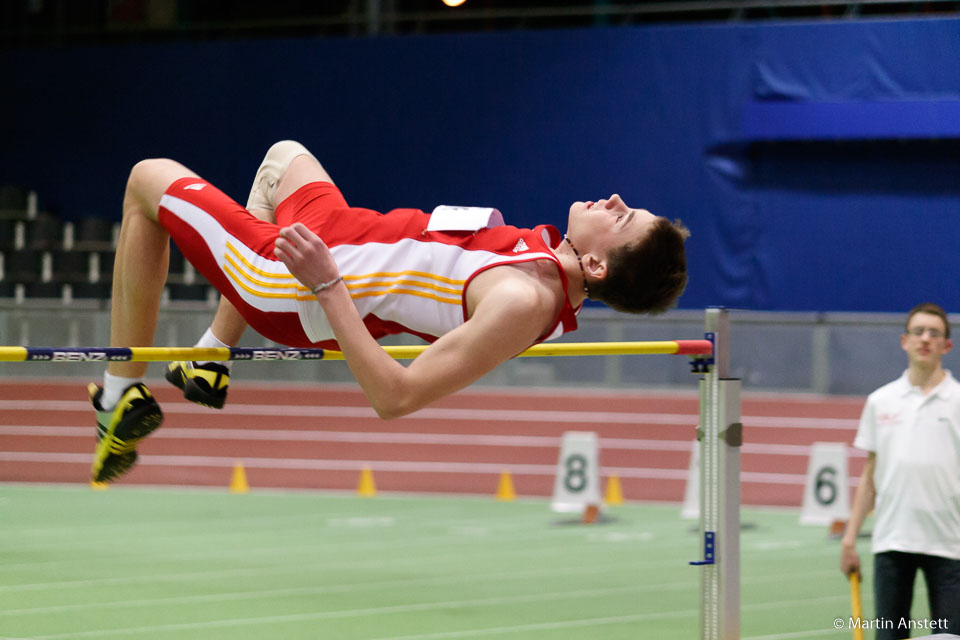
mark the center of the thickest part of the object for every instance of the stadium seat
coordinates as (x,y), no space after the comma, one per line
(24,266)
(45,290)
(13,197)
(91,290)
(188,292)
(93,233)
(8,233)
(44,232)
(104,266)
(71,266)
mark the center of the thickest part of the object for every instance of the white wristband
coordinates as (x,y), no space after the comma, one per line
(323,286)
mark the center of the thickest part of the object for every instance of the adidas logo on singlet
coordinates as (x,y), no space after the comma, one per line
(521,246)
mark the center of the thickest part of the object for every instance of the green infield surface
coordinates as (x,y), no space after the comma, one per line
(193,564)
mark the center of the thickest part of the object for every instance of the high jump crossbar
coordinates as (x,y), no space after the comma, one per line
(160,354)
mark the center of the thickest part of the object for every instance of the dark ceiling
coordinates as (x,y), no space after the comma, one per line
(73,21)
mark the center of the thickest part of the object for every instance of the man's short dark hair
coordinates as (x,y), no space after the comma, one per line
(648,276)
(932,309)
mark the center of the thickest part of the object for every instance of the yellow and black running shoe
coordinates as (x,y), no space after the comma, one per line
(119,430)
(204,384)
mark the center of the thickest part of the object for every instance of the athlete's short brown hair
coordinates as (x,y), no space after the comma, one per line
(648,276)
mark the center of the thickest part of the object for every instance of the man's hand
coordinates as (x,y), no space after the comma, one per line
(850,560)
(306,255)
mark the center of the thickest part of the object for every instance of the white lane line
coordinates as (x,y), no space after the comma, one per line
(589,622)
(546,626)
(349,613)
(403,558)
(402,548)
(452,539)
(439,413)
(365,437)
(390,466)
(511,576)
(249,595)
(335,521)
(434,606)
(457,536)
(810,633)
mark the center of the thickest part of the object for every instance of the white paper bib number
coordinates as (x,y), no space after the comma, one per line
(447,218)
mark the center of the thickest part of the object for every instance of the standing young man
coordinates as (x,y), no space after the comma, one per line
(305,269)
(910,429)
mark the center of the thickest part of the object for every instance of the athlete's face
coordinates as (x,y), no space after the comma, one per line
(598,227)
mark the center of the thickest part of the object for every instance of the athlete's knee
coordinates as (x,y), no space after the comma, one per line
(147,173)
(282,153)
(149,179)
(141,172)
(275,163)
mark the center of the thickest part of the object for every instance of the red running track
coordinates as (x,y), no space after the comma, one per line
(320,438)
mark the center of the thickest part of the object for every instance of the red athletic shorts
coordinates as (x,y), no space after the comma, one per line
(234,250)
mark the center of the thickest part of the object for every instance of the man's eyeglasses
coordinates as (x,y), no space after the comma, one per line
(919,331)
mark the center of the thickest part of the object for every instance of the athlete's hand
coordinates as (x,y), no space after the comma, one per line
(306,255)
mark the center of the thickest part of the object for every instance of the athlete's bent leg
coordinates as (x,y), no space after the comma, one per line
(228,325)
(143,255)
(125,409)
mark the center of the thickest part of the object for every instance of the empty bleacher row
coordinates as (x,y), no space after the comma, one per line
(45,258)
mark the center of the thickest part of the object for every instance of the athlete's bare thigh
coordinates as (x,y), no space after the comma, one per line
(303,170)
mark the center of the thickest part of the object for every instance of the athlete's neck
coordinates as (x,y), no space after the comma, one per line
(573,272)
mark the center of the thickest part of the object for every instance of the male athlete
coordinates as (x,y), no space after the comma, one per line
(305,269)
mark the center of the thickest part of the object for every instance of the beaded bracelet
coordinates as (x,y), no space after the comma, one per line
(323,286)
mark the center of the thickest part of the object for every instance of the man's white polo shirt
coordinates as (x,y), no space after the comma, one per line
(917,441)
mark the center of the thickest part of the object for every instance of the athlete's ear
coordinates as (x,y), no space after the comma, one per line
(594,266)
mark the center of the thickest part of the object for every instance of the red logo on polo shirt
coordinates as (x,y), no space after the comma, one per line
(888,419)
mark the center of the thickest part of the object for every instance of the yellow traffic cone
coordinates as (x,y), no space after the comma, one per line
(614,493)
(238,483)
(366,488)
(505,487)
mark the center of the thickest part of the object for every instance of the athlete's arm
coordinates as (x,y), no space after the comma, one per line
(501,327)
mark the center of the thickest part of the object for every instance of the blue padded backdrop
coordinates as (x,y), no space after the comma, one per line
(816,164)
